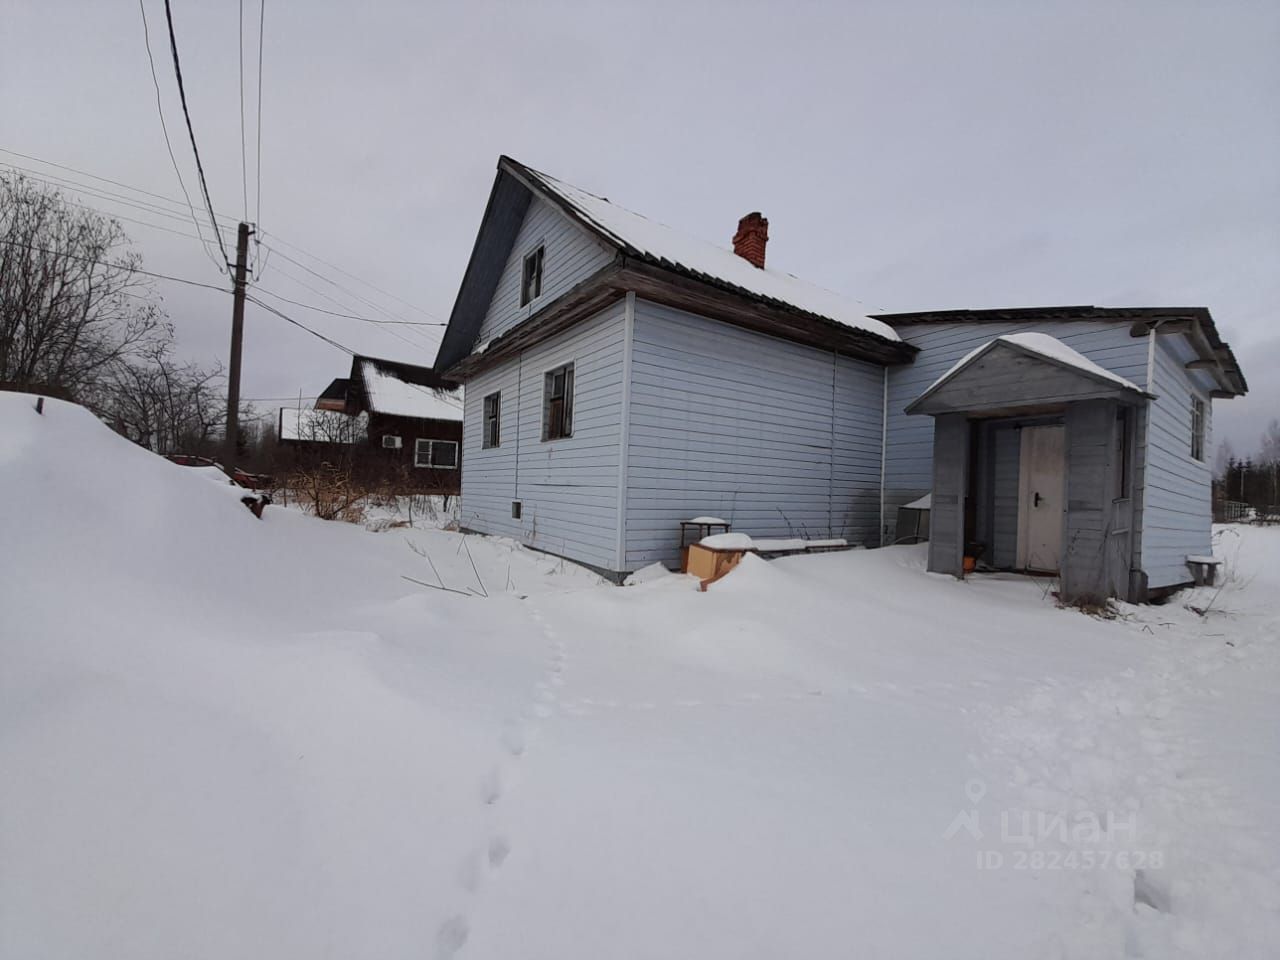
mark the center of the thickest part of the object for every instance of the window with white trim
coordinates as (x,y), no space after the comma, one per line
(557,403)
(531,277)
(492,421)
(436,454)
(1197,428)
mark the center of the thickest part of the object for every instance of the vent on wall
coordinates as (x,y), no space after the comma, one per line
(515,509)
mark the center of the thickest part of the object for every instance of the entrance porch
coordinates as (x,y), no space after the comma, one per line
(1033,467)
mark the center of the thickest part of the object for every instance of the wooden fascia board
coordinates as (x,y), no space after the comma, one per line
(661,286)
(673,288)
(454,328)
(584,299)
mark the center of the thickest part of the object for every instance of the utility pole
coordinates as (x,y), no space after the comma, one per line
(237,339)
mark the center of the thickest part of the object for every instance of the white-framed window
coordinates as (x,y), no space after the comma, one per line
(1197,428)
(492,421)
(531,277)
(390,442)
(557,403)
(436,454)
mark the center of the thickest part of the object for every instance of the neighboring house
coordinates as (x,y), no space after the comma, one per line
(402,419)
(621,377)
(334,396)
(415,421)
(314,429)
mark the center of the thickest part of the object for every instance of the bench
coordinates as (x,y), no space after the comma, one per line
(1204,570)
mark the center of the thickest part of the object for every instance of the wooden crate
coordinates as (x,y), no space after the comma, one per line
(709,564)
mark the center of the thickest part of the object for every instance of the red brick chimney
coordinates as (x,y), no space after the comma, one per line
(750,240)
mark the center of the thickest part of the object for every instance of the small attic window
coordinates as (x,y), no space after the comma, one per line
(531,278)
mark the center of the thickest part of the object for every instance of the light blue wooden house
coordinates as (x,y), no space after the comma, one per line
(622,377)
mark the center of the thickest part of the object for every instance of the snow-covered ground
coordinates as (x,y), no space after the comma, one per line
(223,737)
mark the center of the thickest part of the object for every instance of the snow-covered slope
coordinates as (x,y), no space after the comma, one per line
(228,737)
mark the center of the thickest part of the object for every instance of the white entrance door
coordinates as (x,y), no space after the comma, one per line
(1040,500)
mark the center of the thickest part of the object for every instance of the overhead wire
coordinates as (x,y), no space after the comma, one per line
(227,221)
(146,36)
(244,153)
(93,191)
(98,193)
(186,113)
(284,316)
(257,177)
(334,283)
(118,266)
(419,344)
(347,316)
(351,276)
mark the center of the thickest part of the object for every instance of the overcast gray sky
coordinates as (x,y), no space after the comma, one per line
(910,155)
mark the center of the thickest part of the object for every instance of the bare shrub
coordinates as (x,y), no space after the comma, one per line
(330,491)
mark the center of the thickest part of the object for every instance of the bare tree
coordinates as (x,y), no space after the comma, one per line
(1270,444)
(72,302)
(161,404)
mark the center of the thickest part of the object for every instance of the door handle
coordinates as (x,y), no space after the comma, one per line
(1037,500)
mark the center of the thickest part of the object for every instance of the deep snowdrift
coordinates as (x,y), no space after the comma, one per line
(228,737)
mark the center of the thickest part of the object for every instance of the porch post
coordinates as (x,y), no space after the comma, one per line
(1088,550)
(950,482)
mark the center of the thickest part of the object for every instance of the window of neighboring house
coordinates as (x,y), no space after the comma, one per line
(1197,428)
(531,278)
(557,403)
(390,443)
(437,454)
(492,421)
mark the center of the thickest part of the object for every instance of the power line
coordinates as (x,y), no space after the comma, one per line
(118,266)
(143,223)
(244,160)
(257,207)
(333,283)
(352,276)
(419,345)
(146,36)
(346,316)
(315,333)
(98,193)
(182,96)
(93,176)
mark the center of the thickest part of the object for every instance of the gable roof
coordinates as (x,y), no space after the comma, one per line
(1040,347)
(334,396)
(639,240)
(1196,321)
(401,390)
(663,246)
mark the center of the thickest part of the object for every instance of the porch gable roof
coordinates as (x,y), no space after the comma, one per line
(1022,370)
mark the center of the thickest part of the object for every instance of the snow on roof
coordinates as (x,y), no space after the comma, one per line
(727,541)
(387,393)
(1046,346)
(320,426)
(669,246)
(924,503)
